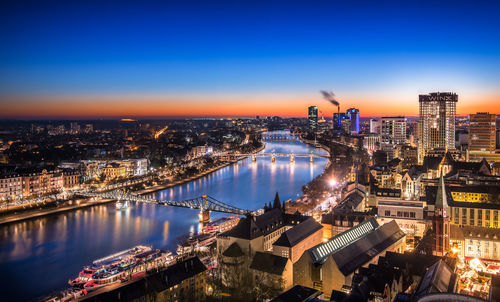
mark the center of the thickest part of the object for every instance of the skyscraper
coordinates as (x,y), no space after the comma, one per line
(337,121)
(312,114)
(353,115)
(393,131)
(345,125)
(482,131)
(437,122)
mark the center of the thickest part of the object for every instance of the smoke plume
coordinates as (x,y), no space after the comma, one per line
(330,96)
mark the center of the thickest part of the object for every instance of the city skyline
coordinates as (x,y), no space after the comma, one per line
(86,60)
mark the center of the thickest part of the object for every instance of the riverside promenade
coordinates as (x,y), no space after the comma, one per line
(76,204)
(84,203)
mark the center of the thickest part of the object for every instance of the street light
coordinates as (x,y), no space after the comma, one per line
(333,182)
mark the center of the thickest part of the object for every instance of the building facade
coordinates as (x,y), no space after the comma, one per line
(375,126)
(437,121)
(372,141)
(37,182)
(393,130)
(353,115)
(482,131)
(331,264)
(11,186)
(312,116)
(338,117)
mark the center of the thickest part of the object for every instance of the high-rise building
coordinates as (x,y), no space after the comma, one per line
(312,114)
(346,126)
(437,122)
(393,130)
(482,130)
(374,126)
(337,121)
(353,115)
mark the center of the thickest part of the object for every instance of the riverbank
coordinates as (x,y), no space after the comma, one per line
(201,174)
(301,203)
(17,217)
(311,142)
(52,208)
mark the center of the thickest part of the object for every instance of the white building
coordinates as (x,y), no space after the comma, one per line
(372,142)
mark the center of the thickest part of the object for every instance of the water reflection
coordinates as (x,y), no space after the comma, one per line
(39,256)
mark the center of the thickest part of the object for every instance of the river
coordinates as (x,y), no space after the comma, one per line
(40,255)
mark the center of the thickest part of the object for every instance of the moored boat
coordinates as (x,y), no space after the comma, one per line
(221,224)
(122,266)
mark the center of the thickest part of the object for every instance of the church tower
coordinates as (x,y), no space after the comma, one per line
(441,221)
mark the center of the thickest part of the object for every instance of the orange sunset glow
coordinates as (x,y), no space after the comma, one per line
(244,106)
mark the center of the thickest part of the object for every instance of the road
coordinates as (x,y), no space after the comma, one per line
(49,211)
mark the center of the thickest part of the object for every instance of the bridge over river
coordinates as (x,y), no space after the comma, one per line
(45,252)
(204,203)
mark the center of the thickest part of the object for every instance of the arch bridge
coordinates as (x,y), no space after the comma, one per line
(205,203)
(279,137)
(292,156)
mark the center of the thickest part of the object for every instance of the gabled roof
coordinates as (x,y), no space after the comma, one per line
(415,263)
(298,233)
(438,278)
(234,250)
(473,232)
(322,251)
(298,293)
(255,226)
(252,227)
(351,257)
(269,263)
(430,198)
(350,202)
(431,162)
(415,171)
(447,159)
(470,166)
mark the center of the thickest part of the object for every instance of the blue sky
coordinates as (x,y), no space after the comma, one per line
(363,50)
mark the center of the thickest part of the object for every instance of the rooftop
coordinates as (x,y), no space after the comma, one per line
(298,293)
(234,250)
(352,256)
(350,202)
(322,251)
(252,227)
(269,263)
(298,233)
